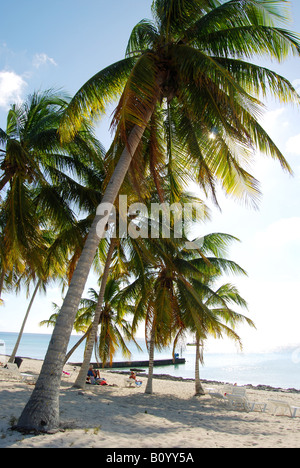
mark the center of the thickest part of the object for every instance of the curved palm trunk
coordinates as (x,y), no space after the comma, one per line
(5,179)
(81,378)
(198,387)
(151,362)
(42,410)
(13,354)
(72,350)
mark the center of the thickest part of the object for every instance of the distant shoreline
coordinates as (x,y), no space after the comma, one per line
(172,417)
(208,382)
(262,387)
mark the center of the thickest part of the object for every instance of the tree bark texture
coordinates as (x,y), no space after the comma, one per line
(198,387)
(42,410)
(151,363)
(81,378)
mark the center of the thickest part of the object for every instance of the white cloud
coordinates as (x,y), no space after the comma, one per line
(42,59)
(11,88)
(272,118)
(293,145)
(280,233)
(296,84)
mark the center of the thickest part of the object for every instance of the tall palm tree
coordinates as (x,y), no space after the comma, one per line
(171,292)
(34,159)
(224,321)
(123,254)
(42,183)
(190,58)
(218,300)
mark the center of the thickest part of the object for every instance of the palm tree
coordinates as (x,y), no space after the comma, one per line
(98,312)
(41,191)
(222,321)
(188,58)
(56,263)
(124,255)
(34,165)
(32,148)
(34,253)
(54,268)
(149,264)
(115,330)
(22,242)
(188,282)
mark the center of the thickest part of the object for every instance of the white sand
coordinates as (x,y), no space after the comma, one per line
(119,417)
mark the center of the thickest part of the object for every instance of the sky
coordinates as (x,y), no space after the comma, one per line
(60,45)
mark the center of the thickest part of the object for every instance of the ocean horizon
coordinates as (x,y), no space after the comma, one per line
(279,369)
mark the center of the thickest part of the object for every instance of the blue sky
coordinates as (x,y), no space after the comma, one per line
(61,44)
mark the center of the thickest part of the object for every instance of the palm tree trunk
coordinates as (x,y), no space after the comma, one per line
(151,362)
(6,178)
(13,354)
(42,410)
(2,276)
(72,350)
(81,378)
(198,387)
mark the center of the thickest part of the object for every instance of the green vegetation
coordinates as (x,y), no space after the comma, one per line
(189,96)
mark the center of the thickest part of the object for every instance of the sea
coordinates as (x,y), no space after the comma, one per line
(278,369)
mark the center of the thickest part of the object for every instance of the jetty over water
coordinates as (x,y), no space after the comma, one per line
(124,364)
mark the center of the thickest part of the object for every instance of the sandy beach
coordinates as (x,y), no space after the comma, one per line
(116,416)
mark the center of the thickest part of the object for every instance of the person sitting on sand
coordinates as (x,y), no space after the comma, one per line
(93,377)
(93,374)
(133,376)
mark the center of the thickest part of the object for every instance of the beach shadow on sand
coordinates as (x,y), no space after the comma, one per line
(135,418)
(152,413)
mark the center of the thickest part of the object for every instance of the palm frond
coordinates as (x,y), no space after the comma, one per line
(92,99)
(142,38)
(259,80)
(252,40)
(137,97)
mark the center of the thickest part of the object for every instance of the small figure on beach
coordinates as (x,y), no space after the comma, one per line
(93,375)
(133,376)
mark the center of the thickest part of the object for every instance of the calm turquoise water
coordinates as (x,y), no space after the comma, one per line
(278,369)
